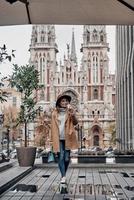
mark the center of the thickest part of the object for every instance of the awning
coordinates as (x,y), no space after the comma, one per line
(108,12)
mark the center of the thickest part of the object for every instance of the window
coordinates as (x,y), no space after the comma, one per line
(74,76)
(42,69)
(95,69)
(48,76)
(95,94)
(62,77)
(96,140)
(101,38)
(58,81)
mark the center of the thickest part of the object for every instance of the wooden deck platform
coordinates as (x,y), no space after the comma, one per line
(82,184)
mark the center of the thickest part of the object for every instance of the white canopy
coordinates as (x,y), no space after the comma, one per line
(108,12)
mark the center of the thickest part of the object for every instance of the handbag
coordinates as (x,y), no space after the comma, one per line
(51,157)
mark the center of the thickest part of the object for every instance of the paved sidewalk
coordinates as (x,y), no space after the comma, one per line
(85,181)
(11,174)
(6,165)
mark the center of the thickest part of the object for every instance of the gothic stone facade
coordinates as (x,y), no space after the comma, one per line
(91,86)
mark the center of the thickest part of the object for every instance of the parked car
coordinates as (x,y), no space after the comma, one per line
(96,148)
(74,152)
(3,158)
(4,152)
(110,148)
(40,152)
(109,153)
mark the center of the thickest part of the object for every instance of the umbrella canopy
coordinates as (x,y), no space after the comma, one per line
(110,12)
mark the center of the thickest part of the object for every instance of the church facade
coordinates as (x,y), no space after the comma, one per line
(90,84)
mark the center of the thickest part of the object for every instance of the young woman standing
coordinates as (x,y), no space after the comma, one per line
(63,132)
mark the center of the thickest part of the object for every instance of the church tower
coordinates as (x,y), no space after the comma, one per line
(95,66)
(43,51)
(95,60)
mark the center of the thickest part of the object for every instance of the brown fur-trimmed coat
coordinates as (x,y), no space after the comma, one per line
(71,141)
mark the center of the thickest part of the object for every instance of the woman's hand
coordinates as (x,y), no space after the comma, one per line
(72,113)
(71,110)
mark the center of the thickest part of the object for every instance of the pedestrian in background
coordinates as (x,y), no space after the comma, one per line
(63,132)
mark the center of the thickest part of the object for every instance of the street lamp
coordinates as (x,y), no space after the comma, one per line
(1,130)
(80,137)
(84,142)
(8,132)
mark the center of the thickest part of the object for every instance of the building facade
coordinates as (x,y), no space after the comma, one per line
(90,84)
(8,111)
(125,86)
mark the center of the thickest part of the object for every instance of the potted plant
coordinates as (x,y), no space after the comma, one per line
(26,81)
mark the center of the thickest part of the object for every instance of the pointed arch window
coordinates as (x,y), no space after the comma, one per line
(35,36)
(48,76)
(35,39)
(48,94)
(88,36)
(48,59)
(95,36)
(101,38)
(42,69)
(42,36)
(93,113)
(62,77)
(74,76)
(89,75)
(93,73)
(95,93)
(96,140)
(58,81)
(95,69)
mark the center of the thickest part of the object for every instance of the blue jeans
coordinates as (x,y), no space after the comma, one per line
(63,158)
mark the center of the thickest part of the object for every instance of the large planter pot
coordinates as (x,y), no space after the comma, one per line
(91,159)
(124,158)
(26,156)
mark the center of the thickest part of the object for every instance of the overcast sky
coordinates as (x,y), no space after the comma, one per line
(18,38)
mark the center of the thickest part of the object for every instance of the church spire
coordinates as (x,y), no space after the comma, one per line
(73,50)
